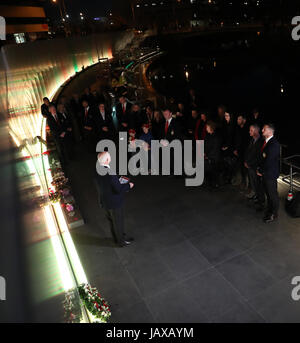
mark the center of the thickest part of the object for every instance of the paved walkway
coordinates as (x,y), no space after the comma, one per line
(199,256)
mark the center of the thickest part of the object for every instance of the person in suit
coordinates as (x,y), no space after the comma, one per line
(58,132)
(111,197)
(171,129)
(252,159)
(104,126)
(241,141)
(67,124)
(88,126)
(123,110)
(136,118)
(269,171)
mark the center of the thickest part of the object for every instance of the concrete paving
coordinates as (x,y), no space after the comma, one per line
(198,256)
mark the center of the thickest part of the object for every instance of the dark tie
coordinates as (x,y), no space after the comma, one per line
(263,147)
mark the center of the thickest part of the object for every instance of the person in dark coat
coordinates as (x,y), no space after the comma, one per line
(256,118)
(136,118)
(103,123)
(111,198)
(45,107)
(157,124)
(58,132)
(147,138)
(241,141)
(212,153)
(88,126)
(228,133)
(76,109)
(67,124)
(201,130)
(252,159)
(123,110)
(269,171)
(192,123)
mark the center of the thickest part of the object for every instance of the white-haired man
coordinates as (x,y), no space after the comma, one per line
(111,197)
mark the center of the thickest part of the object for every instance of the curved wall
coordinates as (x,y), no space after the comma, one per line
(37,69)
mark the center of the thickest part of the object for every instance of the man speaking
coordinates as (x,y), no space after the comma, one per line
(111,190)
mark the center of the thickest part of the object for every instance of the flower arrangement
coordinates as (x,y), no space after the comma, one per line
(59,181)
(54,197)
(94,303)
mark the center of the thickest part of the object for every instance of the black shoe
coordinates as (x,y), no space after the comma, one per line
(125,243)
(128,239)
(270,219)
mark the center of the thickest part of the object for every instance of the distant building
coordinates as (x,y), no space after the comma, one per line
(25,20)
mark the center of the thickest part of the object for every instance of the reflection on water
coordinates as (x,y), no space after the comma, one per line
(243,71)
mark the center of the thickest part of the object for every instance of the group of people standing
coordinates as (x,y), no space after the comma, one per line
(234,145)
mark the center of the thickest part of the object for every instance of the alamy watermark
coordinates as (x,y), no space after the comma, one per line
(2,288)
(2,28)
(296,29)
(145,157)
(296,290)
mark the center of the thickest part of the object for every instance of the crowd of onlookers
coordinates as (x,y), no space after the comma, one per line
(234,145)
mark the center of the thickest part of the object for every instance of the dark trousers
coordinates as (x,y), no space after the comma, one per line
(89,141)
(269,189)
(211,173)
(254,181)
(116,222)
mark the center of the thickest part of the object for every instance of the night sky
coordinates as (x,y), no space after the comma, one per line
(90,8)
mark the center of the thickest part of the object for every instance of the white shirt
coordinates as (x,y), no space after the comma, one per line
(169,121)
(103,115)
(267,140)
(55,116)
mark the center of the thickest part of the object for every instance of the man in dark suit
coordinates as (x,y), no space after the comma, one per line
(103,121)
(269,171)
(58,132)
(88,126)
(123,110)
(111,195)
(171,129)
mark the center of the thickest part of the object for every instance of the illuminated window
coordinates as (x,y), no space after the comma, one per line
(20,38)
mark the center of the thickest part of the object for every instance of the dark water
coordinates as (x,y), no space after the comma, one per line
(240,70)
